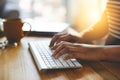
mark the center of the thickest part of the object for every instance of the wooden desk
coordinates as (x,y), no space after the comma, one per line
(16,63)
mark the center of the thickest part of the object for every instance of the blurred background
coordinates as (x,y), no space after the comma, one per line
(79,13)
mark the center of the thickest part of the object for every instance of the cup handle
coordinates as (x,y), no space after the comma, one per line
(27,32)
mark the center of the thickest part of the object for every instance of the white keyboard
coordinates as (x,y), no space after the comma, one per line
(42,56)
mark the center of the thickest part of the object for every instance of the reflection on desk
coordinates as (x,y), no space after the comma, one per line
(16,63)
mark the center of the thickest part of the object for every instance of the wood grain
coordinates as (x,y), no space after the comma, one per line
(16,63)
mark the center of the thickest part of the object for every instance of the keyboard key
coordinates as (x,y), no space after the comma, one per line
(42,53)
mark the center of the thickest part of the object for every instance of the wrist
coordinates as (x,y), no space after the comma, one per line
(112,53)
(103,54)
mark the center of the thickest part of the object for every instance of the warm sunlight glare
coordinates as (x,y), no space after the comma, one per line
(87,12)
(94,15)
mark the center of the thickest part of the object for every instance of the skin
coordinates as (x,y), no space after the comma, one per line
(78,47)
(86,51)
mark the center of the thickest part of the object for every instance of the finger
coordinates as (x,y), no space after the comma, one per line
(65,37)
(70,56)
(63,51)
(53,41)
(64,45)
(60,46)
(55,38)
(57,48)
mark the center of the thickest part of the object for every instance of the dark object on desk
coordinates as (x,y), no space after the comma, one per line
(8,9)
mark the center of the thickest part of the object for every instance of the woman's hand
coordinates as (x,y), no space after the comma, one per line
(76,50)
(63,36)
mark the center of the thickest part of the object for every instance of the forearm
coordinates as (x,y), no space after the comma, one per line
(96,31)
(108,52)
(102,52)
(112,53)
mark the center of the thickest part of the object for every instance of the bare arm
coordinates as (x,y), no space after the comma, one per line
(112,53)
(87,51)
(97,31)
(102,52)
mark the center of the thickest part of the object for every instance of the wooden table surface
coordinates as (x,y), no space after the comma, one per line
(16,63)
